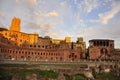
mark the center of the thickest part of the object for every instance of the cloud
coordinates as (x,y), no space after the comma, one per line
(29,2)
(47,27)
(88,5)
(106,31)
(31,25)
(105,17)
(2,24)
(52,14)
(2,15)
(108,0)
(43,29)
(55,35)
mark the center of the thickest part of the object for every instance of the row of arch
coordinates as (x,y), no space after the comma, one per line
(30,52)
(44,46)
(101,43)
(30,55)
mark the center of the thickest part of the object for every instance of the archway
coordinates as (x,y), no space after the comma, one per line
(103,54)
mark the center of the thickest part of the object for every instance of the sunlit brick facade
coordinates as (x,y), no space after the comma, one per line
(38,52)
(101,49)
(14,34)
(16,45)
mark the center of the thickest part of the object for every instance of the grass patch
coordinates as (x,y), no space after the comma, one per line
(7,73)
(107,76)
(48,74)
(25,72)
(67,77)
(80,77)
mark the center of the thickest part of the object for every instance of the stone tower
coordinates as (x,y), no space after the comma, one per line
(67,39)
(15,25)
(80,39)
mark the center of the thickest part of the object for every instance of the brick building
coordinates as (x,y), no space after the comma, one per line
(21,46)
(116,55)
(101,49)
(16,45)
(14,34)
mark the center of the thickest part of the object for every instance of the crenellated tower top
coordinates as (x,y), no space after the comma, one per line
(15,25)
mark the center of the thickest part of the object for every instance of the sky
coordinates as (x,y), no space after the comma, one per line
(90,19)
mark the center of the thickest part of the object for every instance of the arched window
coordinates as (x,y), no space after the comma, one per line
(61,58)
(34,45)
(32,53)
(29,53)
(25,52)
(38,45)
(51,58)
(10,57)
(30,45)
(104,54)
(75,56)
(94,43)
(51,53)
(103,43)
